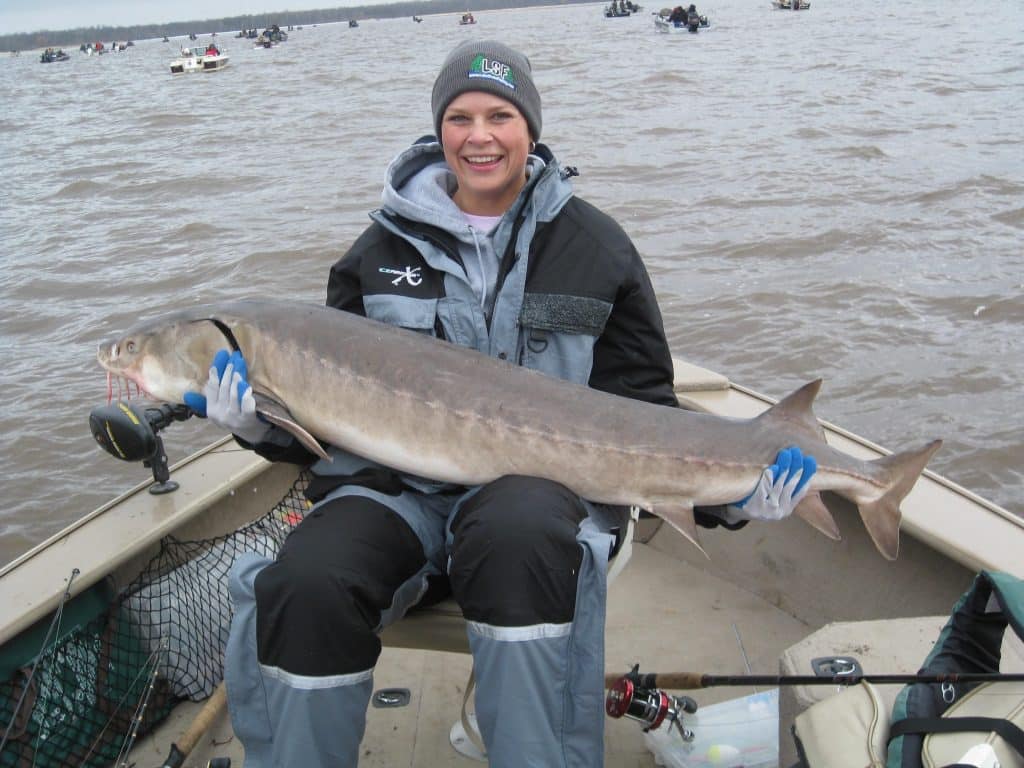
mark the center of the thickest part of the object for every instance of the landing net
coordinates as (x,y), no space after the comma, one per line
(116,664)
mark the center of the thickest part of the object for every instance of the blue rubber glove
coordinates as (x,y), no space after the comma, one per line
(780,488)
(227,398)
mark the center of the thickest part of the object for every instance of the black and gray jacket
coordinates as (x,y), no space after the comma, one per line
(557,286)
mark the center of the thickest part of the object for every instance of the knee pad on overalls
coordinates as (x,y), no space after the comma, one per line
(319,604)
(514,556)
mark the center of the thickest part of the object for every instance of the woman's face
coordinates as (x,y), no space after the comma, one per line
(486,142)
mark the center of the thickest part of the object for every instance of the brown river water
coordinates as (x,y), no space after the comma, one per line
(836,193)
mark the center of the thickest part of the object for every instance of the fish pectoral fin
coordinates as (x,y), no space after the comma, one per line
(812,510)
(275,413)
(680,517)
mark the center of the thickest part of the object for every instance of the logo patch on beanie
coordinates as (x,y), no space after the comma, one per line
(492,69)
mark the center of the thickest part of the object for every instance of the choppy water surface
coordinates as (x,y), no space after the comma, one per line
(816,194)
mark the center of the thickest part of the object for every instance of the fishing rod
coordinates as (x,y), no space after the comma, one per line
(52,631)
(182,748)
(642,696)
(688,681)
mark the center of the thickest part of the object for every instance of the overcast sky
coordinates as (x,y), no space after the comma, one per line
(33,15)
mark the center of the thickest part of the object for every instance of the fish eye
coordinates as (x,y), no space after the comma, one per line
(131,347)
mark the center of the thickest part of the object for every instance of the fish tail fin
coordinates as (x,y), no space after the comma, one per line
(882,516)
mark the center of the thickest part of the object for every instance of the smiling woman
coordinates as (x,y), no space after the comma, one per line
(480,241)
(486,142)
(486,119)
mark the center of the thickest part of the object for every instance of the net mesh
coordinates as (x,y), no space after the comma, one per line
(85,697)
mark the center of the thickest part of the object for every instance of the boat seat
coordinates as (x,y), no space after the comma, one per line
(881,646)
(442,627)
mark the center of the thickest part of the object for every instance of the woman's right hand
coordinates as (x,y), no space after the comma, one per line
(227,398)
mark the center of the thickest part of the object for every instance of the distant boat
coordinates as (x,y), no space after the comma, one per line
(197,60)
(353,23)
(49,56)
(417,19)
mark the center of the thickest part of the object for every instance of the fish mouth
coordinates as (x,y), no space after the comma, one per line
(125,387)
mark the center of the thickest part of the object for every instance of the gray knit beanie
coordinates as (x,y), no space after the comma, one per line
(492,67)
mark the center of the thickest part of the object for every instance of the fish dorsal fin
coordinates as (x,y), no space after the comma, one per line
(680,517)
(275,413)
(795,410)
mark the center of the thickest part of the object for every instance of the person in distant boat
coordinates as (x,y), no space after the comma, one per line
(212,50)
(480,241)
(678,15)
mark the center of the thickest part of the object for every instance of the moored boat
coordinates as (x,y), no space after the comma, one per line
(139,584)
(791,5)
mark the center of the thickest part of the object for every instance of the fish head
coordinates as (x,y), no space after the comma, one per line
(166,357)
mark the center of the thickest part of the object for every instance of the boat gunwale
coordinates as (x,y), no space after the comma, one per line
(40,596)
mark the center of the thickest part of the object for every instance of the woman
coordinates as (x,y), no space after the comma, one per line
(479,241)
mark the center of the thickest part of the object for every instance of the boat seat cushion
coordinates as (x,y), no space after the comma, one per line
(883,646)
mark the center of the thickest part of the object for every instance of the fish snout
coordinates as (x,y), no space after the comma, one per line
(114,357)
(112,352)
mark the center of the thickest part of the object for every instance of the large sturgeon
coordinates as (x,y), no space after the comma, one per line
(438,410)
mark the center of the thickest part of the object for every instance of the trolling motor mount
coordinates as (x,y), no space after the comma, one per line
(131,433)
(630,697)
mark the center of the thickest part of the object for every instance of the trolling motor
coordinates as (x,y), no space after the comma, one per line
(634,696)
(131,433)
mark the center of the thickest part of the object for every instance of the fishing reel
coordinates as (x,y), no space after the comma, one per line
(130,432)
(634,697)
